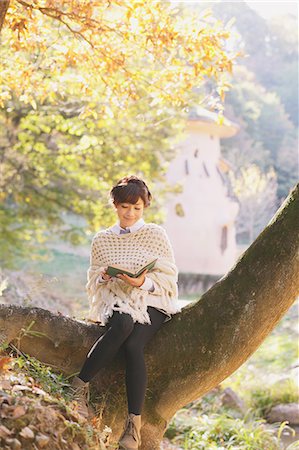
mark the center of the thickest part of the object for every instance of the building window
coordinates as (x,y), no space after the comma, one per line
(221,175)
(205,169)
(186,167)
(223,244)
(179,210)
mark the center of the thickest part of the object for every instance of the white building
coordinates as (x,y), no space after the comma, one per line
(200,220)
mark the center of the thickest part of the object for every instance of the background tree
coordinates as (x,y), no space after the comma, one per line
(56,163)
(265,91)
(267,136)
(273,53)
(256,193)
(263,99)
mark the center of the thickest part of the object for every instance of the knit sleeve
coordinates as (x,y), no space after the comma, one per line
(165,273)
(95,267)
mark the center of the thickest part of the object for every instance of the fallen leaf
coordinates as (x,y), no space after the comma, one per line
(39,391)
(75,446)
(5,384)
(5,398)
(27,433)
(19,411)
(102,445)
(6,410)
(42,440)
(5,362)
(4,432)
(20,387)
(14,444)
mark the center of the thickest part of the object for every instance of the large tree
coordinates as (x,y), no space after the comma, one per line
(197,349)
(91,91)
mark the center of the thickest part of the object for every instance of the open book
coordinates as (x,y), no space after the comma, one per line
(115,270)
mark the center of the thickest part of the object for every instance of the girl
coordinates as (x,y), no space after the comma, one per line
(133,308)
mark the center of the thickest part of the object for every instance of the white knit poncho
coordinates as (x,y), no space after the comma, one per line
(132,251)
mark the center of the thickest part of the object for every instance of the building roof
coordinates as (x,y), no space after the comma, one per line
(208,121)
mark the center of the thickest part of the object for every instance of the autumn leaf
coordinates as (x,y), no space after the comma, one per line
(112,44)
(5,362)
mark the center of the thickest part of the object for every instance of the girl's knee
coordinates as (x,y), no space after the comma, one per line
(133,346)
(124,324)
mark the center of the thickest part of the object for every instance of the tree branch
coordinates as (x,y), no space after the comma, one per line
(198,348)
(4,4)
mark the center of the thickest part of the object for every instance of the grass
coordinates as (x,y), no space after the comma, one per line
(264,398)
(221,431)
(54,383)
(199,427)
(61,264)
(39,400)
(65,274)
(273,362)
(268,378)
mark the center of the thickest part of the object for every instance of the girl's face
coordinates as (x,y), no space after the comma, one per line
(129,213)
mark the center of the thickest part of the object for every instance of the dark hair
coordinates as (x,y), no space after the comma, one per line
(129,189)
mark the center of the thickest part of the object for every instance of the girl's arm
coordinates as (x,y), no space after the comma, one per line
(96,268)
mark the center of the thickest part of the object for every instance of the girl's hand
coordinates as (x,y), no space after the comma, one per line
(135,282)
(105,275)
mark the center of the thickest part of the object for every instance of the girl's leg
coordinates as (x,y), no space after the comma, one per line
(106,347)
(136,374)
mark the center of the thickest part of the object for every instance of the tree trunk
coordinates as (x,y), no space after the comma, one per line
(4,4)
(197,349)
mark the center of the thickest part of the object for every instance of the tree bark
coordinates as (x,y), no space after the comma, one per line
(4,4)
(197,349)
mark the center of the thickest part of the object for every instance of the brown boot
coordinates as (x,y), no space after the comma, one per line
(81,395)
(131,438)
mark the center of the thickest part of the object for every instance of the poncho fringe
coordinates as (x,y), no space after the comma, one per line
(117,295)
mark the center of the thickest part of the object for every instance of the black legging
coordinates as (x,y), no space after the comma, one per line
(133,337)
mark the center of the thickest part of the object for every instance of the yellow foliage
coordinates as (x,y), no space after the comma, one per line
(251,181)
(130,48)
